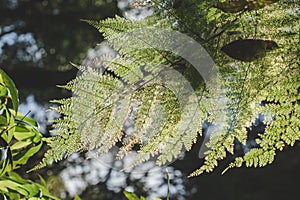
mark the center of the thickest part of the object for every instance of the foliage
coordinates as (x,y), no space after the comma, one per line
(265,85)
(132,196)
(19,141)
(26,42)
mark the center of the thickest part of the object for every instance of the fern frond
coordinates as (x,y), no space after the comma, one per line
(167,117)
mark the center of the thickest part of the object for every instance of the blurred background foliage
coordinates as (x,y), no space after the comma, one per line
(49,34)
(38,39)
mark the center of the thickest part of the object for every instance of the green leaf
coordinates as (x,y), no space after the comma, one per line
(3,188)
(9,156)
(47,194)
(26,128)
(24,132)
(3,91)
(42,180)
(3,120)
(24,158)
(15,177)
(37,138)
(130,195)
(6,157)
(6,81)
(4,167)
(20,118)
(33,189)
(12,185)
(11,126)
(20,145)
(76,197)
